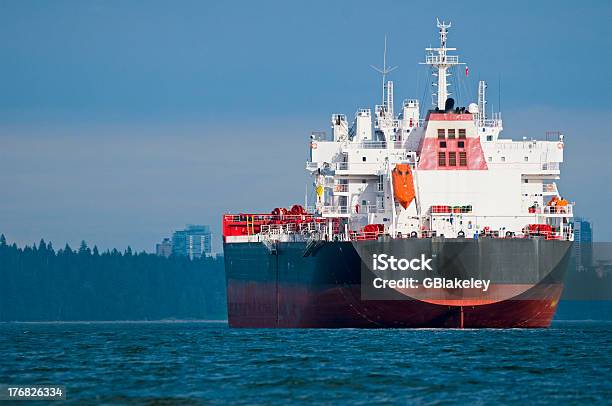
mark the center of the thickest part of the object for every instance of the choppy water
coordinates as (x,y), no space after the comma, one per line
(192,363)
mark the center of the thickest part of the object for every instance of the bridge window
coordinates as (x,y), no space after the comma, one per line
(526,159)
(462,158)
(363,159)
(441,134)
(489,138)
(462,133)
(452,159)
(441,158)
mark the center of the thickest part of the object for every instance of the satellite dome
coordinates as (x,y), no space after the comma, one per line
(473,108)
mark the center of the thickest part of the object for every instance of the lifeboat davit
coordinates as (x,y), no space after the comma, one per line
(403,186)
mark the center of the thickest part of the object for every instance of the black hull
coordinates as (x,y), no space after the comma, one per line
(299,287)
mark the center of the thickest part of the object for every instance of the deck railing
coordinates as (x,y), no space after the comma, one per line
(342,166)
(356,209)
(437,59)
(559,210)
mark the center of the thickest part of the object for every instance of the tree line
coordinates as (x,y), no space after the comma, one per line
(38,283)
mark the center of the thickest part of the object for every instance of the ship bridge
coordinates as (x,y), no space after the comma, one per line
(467,179)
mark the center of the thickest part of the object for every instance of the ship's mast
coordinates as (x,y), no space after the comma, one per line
(441,61)
(482,103)
(387,88)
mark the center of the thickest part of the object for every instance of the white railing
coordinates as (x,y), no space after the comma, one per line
(342,166)
(287,228)
(335,210)
(517,145)
(374,144)
(437,59)
(559,210)
(319,136)
(491,123)
(524,144)
(494,121)
(357,209)
(567,210)
(410,102)
(550,166)
(319,229)
(367,145)
(371,208)
(362,167)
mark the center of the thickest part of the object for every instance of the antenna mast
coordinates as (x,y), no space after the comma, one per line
(482,103)
(438,58)
(387,89)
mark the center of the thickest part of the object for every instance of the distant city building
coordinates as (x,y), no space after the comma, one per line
(583,243)
(193,242)
(164,248)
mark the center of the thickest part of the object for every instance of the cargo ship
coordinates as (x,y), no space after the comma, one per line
(422,219)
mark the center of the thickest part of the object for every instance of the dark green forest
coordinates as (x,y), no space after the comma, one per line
(38,283)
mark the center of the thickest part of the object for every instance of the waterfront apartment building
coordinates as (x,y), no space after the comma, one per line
(164,248)
(583,243)
(194,241)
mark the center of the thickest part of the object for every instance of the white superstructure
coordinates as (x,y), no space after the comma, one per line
(467,180)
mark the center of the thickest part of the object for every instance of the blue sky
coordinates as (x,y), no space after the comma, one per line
(123,120)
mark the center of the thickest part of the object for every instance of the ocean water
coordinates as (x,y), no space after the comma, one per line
(196,363)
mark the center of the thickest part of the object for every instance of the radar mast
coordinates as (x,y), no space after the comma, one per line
(441,61)
(387,88)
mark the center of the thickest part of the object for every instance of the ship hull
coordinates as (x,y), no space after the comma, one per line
(291,287)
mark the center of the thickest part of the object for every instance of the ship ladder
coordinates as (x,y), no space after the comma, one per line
(251,229)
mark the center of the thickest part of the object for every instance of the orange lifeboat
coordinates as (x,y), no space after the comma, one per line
(403,186)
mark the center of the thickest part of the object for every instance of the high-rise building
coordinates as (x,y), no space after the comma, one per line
(193,242)
(583,243)
(164,248)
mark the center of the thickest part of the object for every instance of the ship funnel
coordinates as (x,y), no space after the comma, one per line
(449,105)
